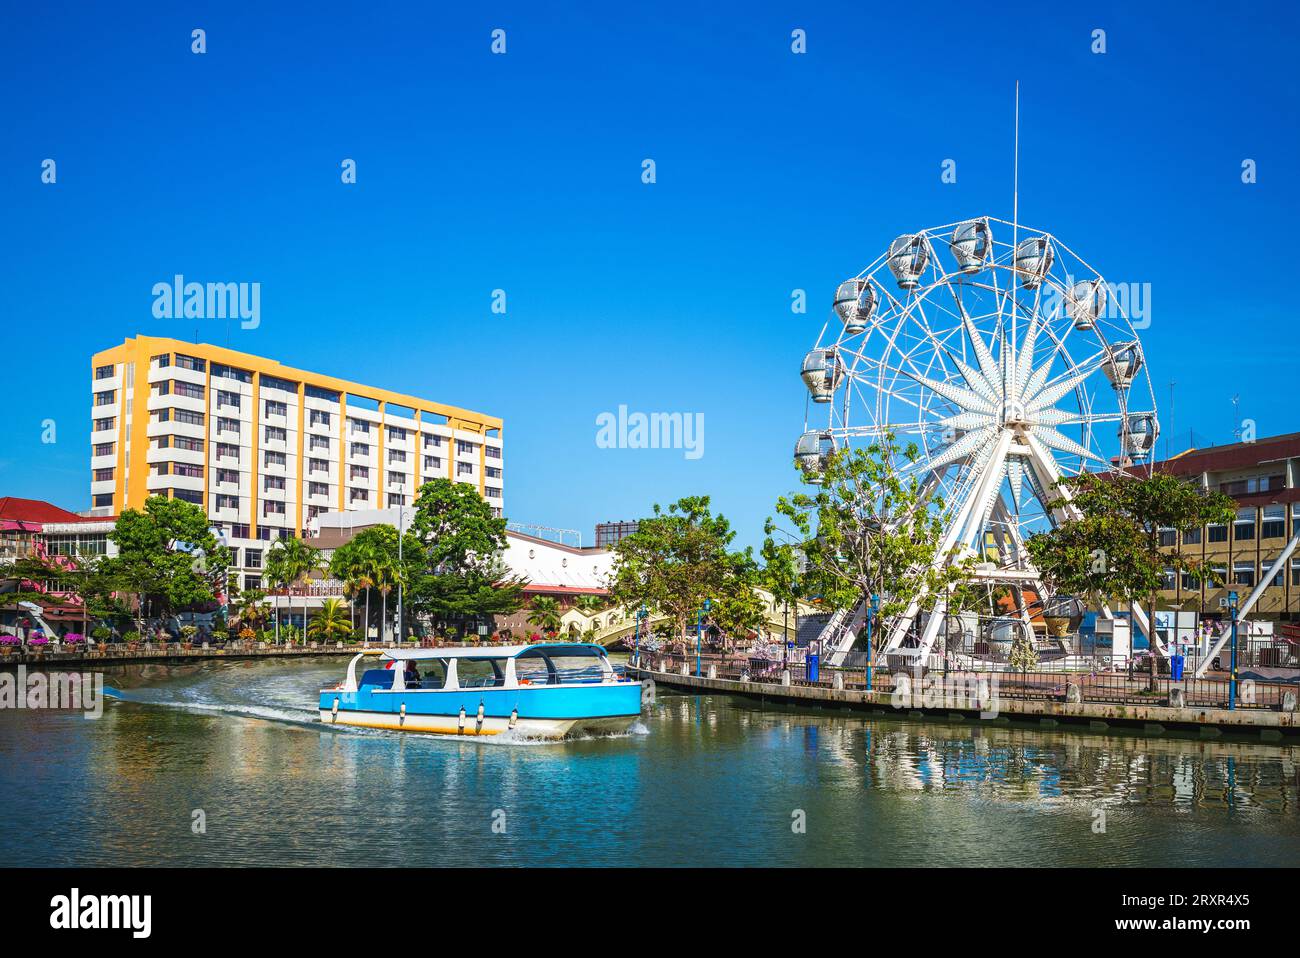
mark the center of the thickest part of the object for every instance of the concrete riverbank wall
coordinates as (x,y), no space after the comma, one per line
(1268,724)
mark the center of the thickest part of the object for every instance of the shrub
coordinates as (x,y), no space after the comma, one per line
(132,636)
(101,633)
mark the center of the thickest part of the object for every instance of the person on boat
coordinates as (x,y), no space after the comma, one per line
(412,678)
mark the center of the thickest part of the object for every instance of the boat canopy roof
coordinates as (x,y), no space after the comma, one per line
(538,649)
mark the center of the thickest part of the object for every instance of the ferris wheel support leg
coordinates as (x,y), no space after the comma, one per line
(971,519)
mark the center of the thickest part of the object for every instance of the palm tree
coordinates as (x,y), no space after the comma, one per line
(289,562)
(248,607)
(589,605)
(330,622)
(544,612)
(387,574)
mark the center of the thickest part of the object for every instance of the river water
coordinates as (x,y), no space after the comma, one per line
(224,763)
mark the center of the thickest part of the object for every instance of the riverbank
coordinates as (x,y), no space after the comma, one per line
(170,652)
(962,698)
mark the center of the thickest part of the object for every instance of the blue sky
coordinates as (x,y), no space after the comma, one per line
(522,172)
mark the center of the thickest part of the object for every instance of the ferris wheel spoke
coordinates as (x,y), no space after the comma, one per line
(1051,437)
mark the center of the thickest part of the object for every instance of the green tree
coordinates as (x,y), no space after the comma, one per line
(331,622)
(289,562)
(458,574)
(167,556)
(676,559)
(870,527)
(544,612)
(248,607)
(1112,551)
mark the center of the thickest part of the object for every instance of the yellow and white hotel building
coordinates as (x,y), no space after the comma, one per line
(265,447)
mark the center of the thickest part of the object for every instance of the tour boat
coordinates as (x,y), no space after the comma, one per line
(546,690)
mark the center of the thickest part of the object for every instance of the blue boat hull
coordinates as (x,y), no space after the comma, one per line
(542,711)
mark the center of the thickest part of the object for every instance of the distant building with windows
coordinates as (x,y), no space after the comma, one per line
(1264,478)
(263,447)
(609,534)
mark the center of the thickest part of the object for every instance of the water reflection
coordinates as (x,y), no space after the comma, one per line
(714,780)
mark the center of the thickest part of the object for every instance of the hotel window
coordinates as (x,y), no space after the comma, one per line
(496,512)
(396,499)
(355,494)
(271,508)
(1244,526)
(1295,572)
(1189,582)
(103,475)
(163,442)
(275,408)
(253,558)
(270,483)
(103,448)
(160,469)
(226,451)
(227,399)
(275,433)
(358,472)
(396,434)
(1273,522)
(188,495)
(106,398)
(270,382)
(317,393)
(225,424)
(1243,573)
(464,469)
(103,425)
(494,492)
(252,582)
(434,441)
(360,449)
(1167,580)
(188,469)
(227,502)
(189,390)
(186,442)
(320,442)
(191,362)
(492,452)
(274,458)
(397,478)
(317,465)
(318,417)
(317,489)
(188,416)
(432,462)
(1277,579)
(239,531)
(464,448)
(162,415)
(162,388)
(230,372)
(103,499)
(104,372)
(360,425)
(161,360)
(1168,537)
(228,475)
(396,455)
(492,472)
(1216,533)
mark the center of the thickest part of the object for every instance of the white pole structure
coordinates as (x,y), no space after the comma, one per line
(1249,604)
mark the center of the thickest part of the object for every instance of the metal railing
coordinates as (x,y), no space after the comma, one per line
(1114,688)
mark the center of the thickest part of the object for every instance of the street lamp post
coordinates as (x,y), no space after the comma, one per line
(699,633)
(401,516)
(1232,682)
(871,614)
(640,614)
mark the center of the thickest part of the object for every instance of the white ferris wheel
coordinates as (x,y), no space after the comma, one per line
(1007,360)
